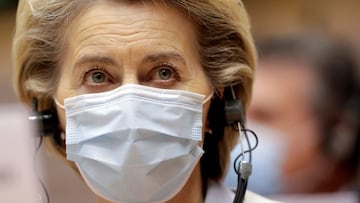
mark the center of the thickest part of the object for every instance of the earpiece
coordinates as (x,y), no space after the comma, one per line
(235,116)
(47,122)
(234,110)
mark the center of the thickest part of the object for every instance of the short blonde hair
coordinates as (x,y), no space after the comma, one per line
(226,50)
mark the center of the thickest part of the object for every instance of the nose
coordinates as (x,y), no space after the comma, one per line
(129,76)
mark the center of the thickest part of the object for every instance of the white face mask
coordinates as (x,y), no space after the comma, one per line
(135,144)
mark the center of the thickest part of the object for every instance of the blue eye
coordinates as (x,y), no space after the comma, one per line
(98,77)
(165,73)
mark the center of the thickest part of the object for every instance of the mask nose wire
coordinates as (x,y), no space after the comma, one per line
(59,104)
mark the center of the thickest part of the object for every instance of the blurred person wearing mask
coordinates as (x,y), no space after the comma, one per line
(305,109)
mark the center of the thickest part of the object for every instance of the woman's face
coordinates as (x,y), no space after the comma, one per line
(114,43)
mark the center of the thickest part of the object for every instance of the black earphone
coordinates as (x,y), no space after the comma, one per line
(47,122)
(235,117)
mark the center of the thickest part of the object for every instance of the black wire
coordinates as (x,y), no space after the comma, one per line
(248,142)
(37,149)
(242,182)
(240,190)
(45,190)
(39,145)
(250,149)
(37,176)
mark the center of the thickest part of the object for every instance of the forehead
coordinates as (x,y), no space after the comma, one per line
(134,37)
(131,20)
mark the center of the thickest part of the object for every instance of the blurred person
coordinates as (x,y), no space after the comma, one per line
(132,93)
(305,109)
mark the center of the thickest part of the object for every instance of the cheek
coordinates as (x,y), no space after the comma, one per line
(65,90)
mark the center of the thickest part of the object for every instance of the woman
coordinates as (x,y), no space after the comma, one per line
(134,86)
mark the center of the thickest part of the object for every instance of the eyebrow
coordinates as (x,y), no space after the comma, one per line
(161,56)
(148,59)
(92,59)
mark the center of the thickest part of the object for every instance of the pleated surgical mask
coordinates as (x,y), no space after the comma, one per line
(135,144)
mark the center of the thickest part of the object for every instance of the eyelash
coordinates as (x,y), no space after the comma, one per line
(149,81)
(172,67)
(92,69)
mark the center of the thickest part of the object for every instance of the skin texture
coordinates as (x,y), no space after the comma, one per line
(282,100)
(113,43)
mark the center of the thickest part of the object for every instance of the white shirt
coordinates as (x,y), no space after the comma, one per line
(218,193)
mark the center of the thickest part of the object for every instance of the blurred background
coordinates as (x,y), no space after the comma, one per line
(7,20)
(270,19)
(280,17)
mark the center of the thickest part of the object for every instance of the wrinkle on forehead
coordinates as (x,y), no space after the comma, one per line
(124,21)
(101,25)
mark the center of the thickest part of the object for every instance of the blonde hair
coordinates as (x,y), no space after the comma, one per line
(226,50)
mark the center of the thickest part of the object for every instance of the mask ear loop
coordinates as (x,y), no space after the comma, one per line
(58,104)
(207,98)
